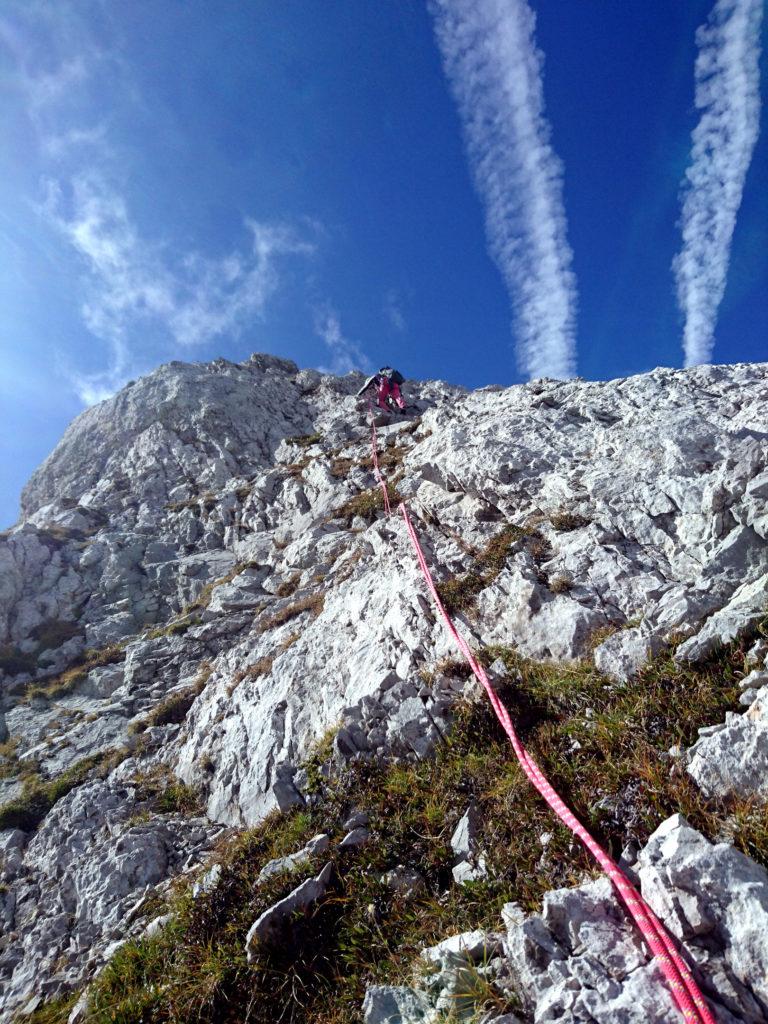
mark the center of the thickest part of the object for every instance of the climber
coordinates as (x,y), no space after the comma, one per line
(387,383)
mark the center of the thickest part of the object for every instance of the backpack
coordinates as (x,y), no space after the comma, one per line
(394,376)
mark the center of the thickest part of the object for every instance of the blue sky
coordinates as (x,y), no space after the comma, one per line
(319,180)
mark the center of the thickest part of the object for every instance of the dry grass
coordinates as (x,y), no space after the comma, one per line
(296,469)
(262,667)
(305,440)
(37,797)
(172,711)
(561,584)
(164,793)
(459,593)
(68,680)
(564,521)
(311,603)
(367,505)
(289,586)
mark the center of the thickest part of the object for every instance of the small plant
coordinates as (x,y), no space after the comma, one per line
(538,547)
(340,468)
(172,711)
(178,627)
(180,506)
(296,469)
(367,504)
(288,642)
(564,521)
(561,584)
(600,635)
(288,587)
(70,679)
(305,440)
(9,764)
(311,603)
(166,794)
(203,599)
(460,592)
(262,667)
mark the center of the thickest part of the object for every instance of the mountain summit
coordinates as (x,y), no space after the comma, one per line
(244,774)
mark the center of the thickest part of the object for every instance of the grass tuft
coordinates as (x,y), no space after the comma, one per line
(564,521)
(37,798)
(305,440)
(311,603)
(459,593)
(67,681)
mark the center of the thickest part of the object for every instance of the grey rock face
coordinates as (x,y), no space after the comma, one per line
(319,844)
(387,1004)
(470,862)
(102,861)
(716,899)
(183,520)
(732,760)
(582,960)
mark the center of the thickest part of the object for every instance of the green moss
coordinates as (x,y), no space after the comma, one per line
(28,810)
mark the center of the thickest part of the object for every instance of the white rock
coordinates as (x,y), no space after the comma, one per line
(357,837)
(386,1004)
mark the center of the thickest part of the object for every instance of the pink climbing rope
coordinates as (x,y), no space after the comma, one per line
(684,989)
(375,456)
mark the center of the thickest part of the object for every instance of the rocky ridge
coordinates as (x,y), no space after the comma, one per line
(202,585)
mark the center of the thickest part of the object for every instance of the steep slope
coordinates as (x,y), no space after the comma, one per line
(203,586)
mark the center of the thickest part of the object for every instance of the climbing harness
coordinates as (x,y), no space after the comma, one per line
(685,991)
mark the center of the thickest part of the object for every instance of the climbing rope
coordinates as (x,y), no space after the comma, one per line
(685,991)
(375,458)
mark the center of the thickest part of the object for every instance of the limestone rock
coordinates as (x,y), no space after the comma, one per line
(386,1004)
(319,844)
(731,759)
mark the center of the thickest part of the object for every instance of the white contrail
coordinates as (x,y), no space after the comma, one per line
(728,94)
(494,70)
